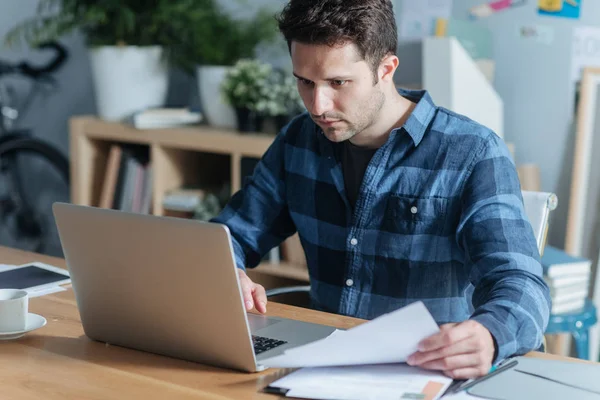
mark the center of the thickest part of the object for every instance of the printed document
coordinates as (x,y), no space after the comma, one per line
(381,382)
(388,339)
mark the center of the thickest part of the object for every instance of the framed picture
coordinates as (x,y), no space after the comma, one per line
(587,125)
(583,220)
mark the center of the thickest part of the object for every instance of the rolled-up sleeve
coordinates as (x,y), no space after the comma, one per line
(510,297)
(257,215)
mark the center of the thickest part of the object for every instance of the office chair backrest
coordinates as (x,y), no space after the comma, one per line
(537,208)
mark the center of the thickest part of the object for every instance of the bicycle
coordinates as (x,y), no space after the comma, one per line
(25,221)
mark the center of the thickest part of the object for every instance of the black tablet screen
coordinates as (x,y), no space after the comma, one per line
(28,276)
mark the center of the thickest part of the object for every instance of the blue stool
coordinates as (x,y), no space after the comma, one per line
(577,324)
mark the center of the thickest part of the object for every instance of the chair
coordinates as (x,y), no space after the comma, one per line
(576,323)
(537,208)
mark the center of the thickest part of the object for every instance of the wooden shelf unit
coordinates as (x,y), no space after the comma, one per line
(179,156)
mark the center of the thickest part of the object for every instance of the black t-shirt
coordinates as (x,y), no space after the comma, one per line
(355,161)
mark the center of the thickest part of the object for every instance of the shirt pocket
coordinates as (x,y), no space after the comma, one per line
(415,215)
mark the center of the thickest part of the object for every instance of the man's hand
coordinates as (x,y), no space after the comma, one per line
(461,351)
(254,294)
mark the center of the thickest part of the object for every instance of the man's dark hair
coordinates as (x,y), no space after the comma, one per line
(369,24)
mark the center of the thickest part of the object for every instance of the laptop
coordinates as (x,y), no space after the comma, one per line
(168,286)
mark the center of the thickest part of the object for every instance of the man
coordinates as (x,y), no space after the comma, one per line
(395,200)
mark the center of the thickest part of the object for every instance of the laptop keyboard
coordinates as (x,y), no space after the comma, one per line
(262,344)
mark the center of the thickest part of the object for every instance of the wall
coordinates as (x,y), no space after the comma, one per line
(533,80)
(48,115)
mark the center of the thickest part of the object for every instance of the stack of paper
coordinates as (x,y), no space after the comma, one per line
(365,362)
(397,381)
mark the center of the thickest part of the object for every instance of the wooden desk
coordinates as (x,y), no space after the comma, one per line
(58,361)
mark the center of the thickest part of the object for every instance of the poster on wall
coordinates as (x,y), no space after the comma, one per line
(585,50)
(560,8)
(485,10)
(417,18)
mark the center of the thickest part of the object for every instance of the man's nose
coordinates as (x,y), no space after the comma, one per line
(321,102)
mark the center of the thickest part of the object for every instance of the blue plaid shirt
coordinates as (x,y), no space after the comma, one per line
(439,218)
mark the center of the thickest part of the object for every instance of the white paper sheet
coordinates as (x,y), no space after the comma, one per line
(585,50)
(390,338)
(462,395)
(390,381)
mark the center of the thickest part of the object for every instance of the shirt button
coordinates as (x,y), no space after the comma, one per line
(353,242)
(413,209)
(349,282)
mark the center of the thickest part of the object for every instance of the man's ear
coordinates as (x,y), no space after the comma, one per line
(387,68)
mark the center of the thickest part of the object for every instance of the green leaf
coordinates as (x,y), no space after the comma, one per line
(191,31)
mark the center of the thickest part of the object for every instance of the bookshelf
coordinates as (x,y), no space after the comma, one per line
(196,155)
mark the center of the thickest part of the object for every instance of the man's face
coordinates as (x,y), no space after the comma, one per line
(337,88)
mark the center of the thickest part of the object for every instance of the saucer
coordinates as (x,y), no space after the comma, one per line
(34,321)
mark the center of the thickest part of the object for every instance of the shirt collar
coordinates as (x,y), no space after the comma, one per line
(417,123)
(419,120)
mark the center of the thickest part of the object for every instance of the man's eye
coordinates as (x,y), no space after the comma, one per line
(339,82)
(304,81)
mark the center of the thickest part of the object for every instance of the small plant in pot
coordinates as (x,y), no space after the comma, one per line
(284,101)
(213,47)
(247,89)
(130,45)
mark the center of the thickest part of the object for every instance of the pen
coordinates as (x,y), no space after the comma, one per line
(492,373)
(275,390)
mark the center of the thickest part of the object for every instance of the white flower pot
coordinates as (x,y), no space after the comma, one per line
(215,109)
(128,79)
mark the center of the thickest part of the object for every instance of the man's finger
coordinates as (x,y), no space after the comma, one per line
(260,298)
(246,285)
(465,346)
(452,363)
(449,334)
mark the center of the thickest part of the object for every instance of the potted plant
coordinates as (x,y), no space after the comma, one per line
(246,89)
(214,46)
(284,101)
(130,44)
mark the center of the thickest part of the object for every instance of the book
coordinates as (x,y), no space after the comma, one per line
(570,296)
(111,175)
(557,263)
(565,281)
(557,292)
(158,118)
(568,306)
(183,199)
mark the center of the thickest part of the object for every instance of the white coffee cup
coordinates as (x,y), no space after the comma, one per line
(14,304)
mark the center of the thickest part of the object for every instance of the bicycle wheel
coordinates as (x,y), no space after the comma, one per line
(34,175)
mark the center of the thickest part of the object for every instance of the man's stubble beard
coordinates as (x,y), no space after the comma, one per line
(364,120)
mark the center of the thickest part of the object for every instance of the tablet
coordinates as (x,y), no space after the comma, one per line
(33,276)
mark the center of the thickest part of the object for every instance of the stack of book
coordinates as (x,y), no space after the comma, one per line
(159,118)
(568,278)
(127,179)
